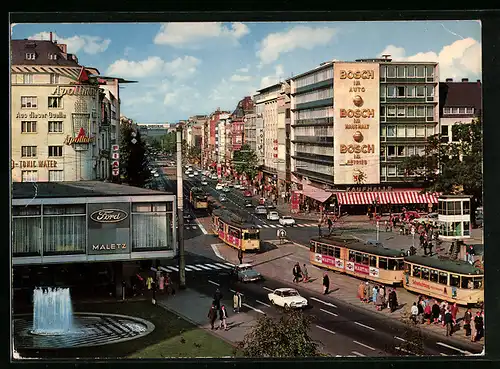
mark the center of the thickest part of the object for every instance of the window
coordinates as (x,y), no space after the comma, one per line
(54,78)
(313,78)
(28,151)
(410,150)
(466,207)
(401,111)
(420,111)
(420,91)
(429,111)
(64,228)
(425,274)
(373,261)
(401,91)
(401,131)
(55,102)
(401,71)
(30,56)
(416,271)
(477,282)
(410,131)
(55,151)
(430,71)
(391,150)
(358,258)
(382,91)
(382,131)
(393,264)
(420,131)
(410,91)
(454,110)
(400,171)
(454,280)
(443,278)
(430,91)
(366,260)
(29,102)
(352,255)
(28,127)
(410,71)
(151,226)
(434,276)
(391,71)
(383,171)
(27,230)
(429,131)
(383,69)
(420,150)
(410,111)
(444,130)
(420,71)
(466,282)
(29,176)
(469,110)
(382,263)
(314,95)
(56,175)
(391,131)
(446,111)
(391,111)
(391,91)
(55,127)
(400,150)
(391,170)
(382,111)
(466,228)
(336,252)
(27,78)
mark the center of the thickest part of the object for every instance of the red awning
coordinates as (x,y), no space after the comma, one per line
(317,194)
(394,197)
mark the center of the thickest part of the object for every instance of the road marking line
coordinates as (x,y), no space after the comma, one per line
(267,289)
(329,312)
(263,303)
(323,302)
(259,226)
(272,226)
(365,326)
(357,353)
(279,226)
(442,354)
(209,281)
(224,266)
(216,251)
(454,348)
(404,350)
(230,264)
(362,344)
(265,226)
(324,329)
(233,291)
(203,267)
(216,267)
(254,309)
(195,268)
(401,339)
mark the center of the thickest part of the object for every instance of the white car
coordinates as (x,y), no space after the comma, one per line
(237,185)
(287,298)
(187,171)
(156,174)
(214,176)
(204,183)
(226,189)
(190,175)
(273,215)
(219,186)
(195,173)
(286,220)
(430,218)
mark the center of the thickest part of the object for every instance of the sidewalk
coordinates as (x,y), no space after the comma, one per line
(278,263)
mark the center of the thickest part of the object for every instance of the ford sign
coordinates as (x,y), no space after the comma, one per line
(109,216)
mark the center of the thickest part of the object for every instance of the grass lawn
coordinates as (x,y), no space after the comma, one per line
(172,337)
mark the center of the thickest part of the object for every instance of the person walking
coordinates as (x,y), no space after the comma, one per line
(393,300)
(326,284)
(212,316)
(420,306)
(435,312)
(454,312)
(379,301)
(374,295)
(414,313)
(361,292)
(467,322)
(448,322)
(479,326)
(296,273)
(223,317)
(330,224)
(217,298)
(381,292)
(237,302)
(368,292)
(305,273)
(161,283)
(240,255)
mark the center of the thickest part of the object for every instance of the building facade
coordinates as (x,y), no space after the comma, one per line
(283,133)
(221,142)
(153,130)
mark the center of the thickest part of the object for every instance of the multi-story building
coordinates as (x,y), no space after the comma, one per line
(251,137)
(56,109)
(283,133)
(222,124)
(352,124)
(244,107)
(153,130)
(460,102)
(193,130)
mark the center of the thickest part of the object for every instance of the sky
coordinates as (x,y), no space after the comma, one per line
(185,69)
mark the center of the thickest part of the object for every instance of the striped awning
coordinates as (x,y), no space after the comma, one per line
(71,72)
(393,197)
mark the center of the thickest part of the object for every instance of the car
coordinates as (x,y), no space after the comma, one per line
(187,166)
(287,220)
(187,171)
(247,193)
(248,204)
(287,298)
(237,185)
(260,210)
(219,186)
(246,273)
(191,175)
(204,183)
(226,189)
(156,175)
(273,215)
(195,173)
(222,198)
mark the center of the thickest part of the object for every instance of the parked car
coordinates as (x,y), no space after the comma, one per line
(247,193)
(287,298)
(237,185)
(195,173)
(191,175)
(273,215)
(226,189)
(287,220)
(222,198)
(187,171)
(219,186)
(214,176)
(204,182)
(246,273)
(260,210)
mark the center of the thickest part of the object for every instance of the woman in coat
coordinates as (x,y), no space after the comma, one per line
(375,295)
(436,311)
(361,291)
(237,302)
(379,301)
(223,317)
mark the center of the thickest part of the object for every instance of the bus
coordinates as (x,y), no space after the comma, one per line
(198,198)
(444,279)
(351,256)
(234,231)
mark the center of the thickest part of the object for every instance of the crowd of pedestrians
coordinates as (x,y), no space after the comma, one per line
(378,296)
(219,310)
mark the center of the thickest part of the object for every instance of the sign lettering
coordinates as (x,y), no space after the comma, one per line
(78,90)
(359,74)
(108,216)
(79,140)
(34,164)
(357,113)
(361,268)
(109,246)
(35,115)
(357,149)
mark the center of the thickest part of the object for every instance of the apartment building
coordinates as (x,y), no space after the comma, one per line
(283,133)
(221,128)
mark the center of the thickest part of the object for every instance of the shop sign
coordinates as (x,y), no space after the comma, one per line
(357,74)
(34,115)
(82,138)
(108,215)
(369,189)
(109,246)
(108,228)
(34,164)
(78,90)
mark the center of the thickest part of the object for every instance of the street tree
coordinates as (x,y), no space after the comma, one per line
(169,143)
(194,154)
(133,159)
(245,161)
(411,339)
(287,336)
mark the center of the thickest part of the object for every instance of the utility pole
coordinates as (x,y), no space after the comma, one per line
(180,212)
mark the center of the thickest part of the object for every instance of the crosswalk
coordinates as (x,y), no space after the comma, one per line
(205,267)
(300,225)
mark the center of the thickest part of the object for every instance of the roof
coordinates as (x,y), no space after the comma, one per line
(319,67)
(354,244)
(19,49)
(454,266)
(461,94)
(232,219)
(270,87)
(26,190)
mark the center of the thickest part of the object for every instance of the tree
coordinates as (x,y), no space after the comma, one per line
(286,337)
(194,154)
(245,161)
(133,160)
(169,142)
(411,339)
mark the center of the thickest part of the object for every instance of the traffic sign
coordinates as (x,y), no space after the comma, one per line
(116,171)
(115,163)
(115,155)
(115,147)
(282,233)
(134,141)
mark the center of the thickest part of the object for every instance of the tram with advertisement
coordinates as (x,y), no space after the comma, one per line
(198,198)
(350,256)
(234,231)
(450,280)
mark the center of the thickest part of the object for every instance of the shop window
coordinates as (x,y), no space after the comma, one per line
(382,263)
(434,276)
(454,280)
(359,258)
(365,260)
(443,278)
(373,261)
(416,271)
(425,274)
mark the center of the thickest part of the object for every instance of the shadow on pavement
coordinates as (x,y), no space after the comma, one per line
(266,247)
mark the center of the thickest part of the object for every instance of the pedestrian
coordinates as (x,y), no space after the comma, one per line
(237,302)
(479,326)
(414,313)
(379,301)
(368,292)
(448,322)
(420,307)
(470,254)
(223,317)
(296,273)
(149,283)
(393,300)
(374,294)
(330,225)
(217,298)
(212,315)
(319,229)
(361,292)
(161,283)
(467,322)
(240,255)
(454,312)
(435,312)
(428,313)
(326,284)
(381,292)
(305,273)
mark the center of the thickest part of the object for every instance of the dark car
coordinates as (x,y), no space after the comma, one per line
(245,273)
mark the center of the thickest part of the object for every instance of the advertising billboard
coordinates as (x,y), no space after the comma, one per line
(356,133)
(108,228)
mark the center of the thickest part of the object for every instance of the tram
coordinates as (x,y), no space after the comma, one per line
(234,231)
(450,280)
(350,256)
(198,198)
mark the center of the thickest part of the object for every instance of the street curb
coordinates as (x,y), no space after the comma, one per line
(217,252)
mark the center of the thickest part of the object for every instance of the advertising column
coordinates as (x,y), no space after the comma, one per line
(109,229)
(357,126)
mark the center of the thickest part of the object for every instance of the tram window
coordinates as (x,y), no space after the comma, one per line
(443,278)
(434,276)
(358,257)
(454,280)
(336,252)
(251,236)
(425,274)
(382,263)
(478,282)
(319,249)
(416,271)
(373,261)
(312,246)
(401,264)
(392,264)
(465,282)
(352,255)
(365,259)
(330,251)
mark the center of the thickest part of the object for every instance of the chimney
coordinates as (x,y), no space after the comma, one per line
(449,79)
(50,36)
(465,80)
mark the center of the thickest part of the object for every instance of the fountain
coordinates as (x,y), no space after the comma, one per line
(52,311)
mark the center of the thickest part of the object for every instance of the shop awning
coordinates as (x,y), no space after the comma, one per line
(393,197)
(315,193)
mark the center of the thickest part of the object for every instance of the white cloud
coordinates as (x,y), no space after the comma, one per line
(182,34)
(87,44)
(240,78)
(460,59)
(181,67)
(279,75)
(244,70)
(298,37)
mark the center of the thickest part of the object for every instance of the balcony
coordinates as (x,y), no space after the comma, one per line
(314,104)
(314,86)
(327,122)
(314,140)
(314,158)
(326,178)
